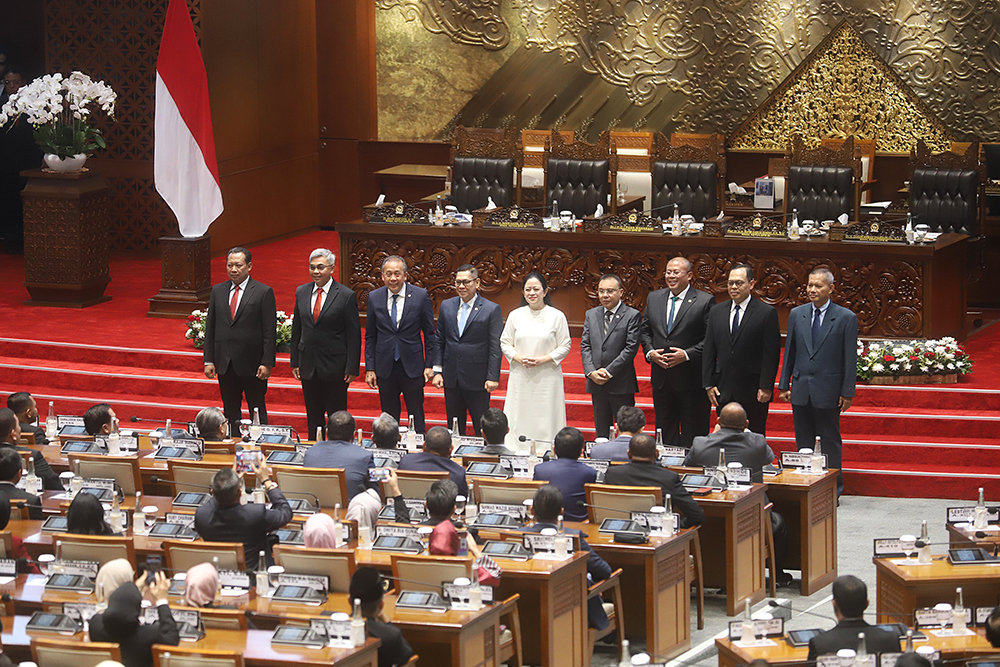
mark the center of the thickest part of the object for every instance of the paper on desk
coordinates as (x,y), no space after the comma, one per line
(948,632)
(35,580)
(842,218)
(380,200)
(907,562)
(490,204)
(755,644)
(6,580)
(600,211)
(233,592)
(933,236)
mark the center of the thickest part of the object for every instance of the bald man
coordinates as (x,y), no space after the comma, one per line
(746,447)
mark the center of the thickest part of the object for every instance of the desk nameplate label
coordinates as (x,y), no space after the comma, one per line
(966,514)
(768,627)
(234,579)
(875,231)
(399,213)
(796,460)
(758,226)
(519,512)
(398,531)
(632,222)
(513,217)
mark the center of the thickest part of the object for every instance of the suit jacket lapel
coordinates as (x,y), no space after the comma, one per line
(330,297)
(807,329)
(748,314)
(682,307)
(244,300)
(472,313)
(824,329)
(615,319)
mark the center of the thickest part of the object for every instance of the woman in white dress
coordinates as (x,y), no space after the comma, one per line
(535,340)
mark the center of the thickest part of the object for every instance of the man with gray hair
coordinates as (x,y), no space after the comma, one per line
(326,340)
(821,354)
(385,431)
(210,423)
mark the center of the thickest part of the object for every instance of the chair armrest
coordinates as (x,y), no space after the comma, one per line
(606,585)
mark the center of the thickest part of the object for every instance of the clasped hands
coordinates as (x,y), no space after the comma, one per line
(674,357)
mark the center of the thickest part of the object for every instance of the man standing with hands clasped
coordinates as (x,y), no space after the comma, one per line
(467,362)
(240,338)
(326,340)
(820,368)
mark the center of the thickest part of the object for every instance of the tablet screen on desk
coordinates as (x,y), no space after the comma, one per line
(802,637)
(45,620)
(481,467)
(492,519)
(282,457)
(187,498)
(411,599)
(698,480)
(499,548)
(167,529)
(617,524)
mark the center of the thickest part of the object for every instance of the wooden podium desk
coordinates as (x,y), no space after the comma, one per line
(732,544)
(903,588)
(254,645)
(809,505)
(655,573)
(966,537)
(411,182)
(784,655)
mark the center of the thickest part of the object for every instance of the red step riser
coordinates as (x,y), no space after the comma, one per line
(909,486)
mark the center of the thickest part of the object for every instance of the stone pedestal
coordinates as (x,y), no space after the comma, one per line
(66,221)
(187,276)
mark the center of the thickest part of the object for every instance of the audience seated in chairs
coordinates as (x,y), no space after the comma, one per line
(440,501)
(26,409)
(385,431)
(367,587)
(112,574)
(85,516)
(100,419)
(850,599)
(10,473)
(25,566)
(340,451)
(10,434)
(211,425)
(365,507)
(436,457)
(631,421)
(119,623)
(567,473)
(200,584)
(494,427)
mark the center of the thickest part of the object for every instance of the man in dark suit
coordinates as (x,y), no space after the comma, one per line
(608,347)
(397,360)
(673,334)
(546,506)
(742,347)
(100,419)
(567,473)
(495,428)
(10,473)
(240,338)
(820,368)
(24,406)
(223,519)
(340,451)
(850,599)
(643,470)
(366,586)
(467,358)
(10,435)
(631,421)
(326,340)
(436,457)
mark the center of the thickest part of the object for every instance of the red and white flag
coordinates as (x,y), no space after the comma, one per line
(185,170)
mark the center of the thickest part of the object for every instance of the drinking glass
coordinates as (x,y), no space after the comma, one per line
(908,545)
(150,516)
(66,479)
(45,563)
(245,428)
(807,227)
(920,232)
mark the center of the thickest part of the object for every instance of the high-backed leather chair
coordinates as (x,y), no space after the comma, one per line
(579,175)
(483,166)
(866,150)
(946,188)
(687,174)
(823,183)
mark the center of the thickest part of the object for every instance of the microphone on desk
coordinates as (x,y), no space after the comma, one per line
(158,480)
(775,604)
(524,438)
(601,507)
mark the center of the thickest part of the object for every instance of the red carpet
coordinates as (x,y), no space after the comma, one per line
(899,441)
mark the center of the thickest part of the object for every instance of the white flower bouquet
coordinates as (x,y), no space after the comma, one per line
(893,358)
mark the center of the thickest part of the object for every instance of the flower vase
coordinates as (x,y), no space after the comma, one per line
(67,164)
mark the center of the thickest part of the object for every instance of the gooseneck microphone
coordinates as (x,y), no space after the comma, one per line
(524,438)
(159,480)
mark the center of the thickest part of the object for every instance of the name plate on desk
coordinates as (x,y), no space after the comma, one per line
(796,460)
(336,630)
(68,420)
(889,659)
(632,222)
(468,441)
(513,217)
(126,443)
(234,579)
(316,582)
(539,543)
(398,531)
(758,226)
(399,213)
(519,512)
(8,567)
(931,617)
(518,465)
(875,231)
(458,596)
(393,454)
(889,548)
(600,465)
(768,627)
(966,514)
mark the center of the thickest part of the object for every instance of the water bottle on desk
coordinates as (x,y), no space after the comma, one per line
(255,429)
(958,614)
(816,460)
(51,422)
(979,513)
(168,435)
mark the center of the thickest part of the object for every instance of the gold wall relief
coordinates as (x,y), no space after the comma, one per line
(472,22)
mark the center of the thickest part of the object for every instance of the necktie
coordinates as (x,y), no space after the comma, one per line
(233,301)
(816,323)
(318,306)
(392,314)
(463,316)
(670,315)
(607,320)
(736,320)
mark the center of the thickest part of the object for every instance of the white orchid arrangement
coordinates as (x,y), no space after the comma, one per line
(915,357)
(58,107)
(197,321)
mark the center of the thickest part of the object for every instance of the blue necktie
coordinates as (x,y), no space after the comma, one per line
(392,314)
(816,323)
(670,315)
(463,315)
(736,320)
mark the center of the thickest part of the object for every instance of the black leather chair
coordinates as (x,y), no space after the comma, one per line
(483,167)
(579,176)
(687,175)
(945,189)
(823,183)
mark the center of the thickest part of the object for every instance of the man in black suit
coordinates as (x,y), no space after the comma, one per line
(821,354)
(643,470)
(608,347)
(366,586)
(341,451)
(397,360)
(568,473)
(742,347)
(10,435)
(24,406)
(673,334)
(100,419)
(495,428)
(10,473)
(467,363)
(385,432)
(850,599)
(326,340)
(223,519)
(240,339)
(436,457)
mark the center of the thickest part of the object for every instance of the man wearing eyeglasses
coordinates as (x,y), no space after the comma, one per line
(467,363)
(326,340)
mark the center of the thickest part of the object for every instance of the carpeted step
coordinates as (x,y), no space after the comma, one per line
(915,481)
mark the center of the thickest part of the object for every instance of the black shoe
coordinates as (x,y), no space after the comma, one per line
(783,580)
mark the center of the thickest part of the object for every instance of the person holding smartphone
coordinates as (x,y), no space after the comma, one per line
(119,623)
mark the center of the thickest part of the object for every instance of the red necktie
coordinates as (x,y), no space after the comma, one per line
(318,306)
(233,301)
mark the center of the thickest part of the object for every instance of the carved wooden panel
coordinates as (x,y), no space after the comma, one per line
(822,506)
(480,144)
(65,237)
(567,596)
(672,571)
(186,263)
(824,156)
(579,149)
(747,522)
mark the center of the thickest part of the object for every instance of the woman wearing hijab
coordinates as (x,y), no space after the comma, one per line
(120,622)
(113,574)
(86,516)
(200,585)
(319,532)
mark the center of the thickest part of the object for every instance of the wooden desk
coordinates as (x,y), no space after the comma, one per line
(657,573)
(966,537)
(905,291)
(901,588)
(411,182)
(809,505)
(732,544)
(254,645)
(952,648)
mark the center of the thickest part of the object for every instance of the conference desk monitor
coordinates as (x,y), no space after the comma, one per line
(190,499)
(800,638)
(418,513)
(81,447)
(46,621)
(284,458)
(971,556)
(398,544)
(173,452)
(173,531)
(72,429)
(699,484)
(290,536)
(299,594)
(486,469)
(421,600)
(70,582)
(297,636)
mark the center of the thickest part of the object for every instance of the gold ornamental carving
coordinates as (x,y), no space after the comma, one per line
(472,22)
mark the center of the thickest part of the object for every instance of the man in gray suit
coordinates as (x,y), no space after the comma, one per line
(608,347)
(341,452)
(821,355)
